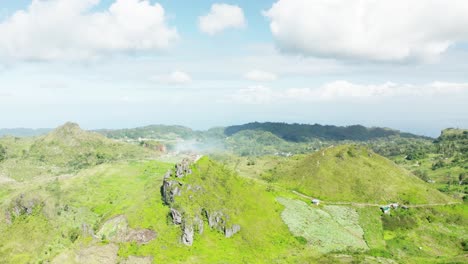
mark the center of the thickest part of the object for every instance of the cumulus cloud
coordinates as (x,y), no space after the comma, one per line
(344,90)
(388,30)
(71,29)
(174,78)
(221,17)
(260,76)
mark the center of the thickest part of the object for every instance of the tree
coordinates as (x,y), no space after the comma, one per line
(3,153)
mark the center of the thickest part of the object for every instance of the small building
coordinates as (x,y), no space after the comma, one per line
(315,201)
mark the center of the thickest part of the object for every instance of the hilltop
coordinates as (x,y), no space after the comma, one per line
(65,149)
(352,173)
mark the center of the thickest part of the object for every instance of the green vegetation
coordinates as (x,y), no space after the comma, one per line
(352,174)
(330,228)
(304,132)
(73,196)
(65,150)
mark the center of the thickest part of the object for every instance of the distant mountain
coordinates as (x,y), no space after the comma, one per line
(164,132)
(305,132)
(65,149)
(24,132)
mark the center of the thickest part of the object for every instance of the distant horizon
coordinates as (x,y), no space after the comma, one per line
(222,126)
(211,63)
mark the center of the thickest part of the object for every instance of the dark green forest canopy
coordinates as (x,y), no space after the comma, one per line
(305,132)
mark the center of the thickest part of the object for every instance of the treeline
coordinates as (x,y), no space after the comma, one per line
(305,132)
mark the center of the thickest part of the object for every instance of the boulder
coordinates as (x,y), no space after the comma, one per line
(187,235)
(229,232)
(176,216)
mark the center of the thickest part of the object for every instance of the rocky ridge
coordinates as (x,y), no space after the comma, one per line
(192,219)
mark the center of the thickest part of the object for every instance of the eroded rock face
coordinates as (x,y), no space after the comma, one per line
(21,206)
(192,222)
(187,236)
(176,216)
(216,220)
(170,189)
(183,169)
(229,232)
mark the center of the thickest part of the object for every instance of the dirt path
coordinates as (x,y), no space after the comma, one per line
(372,204)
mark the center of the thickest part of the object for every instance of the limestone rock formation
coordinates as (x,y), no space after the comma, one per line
(192,220)
(183,169)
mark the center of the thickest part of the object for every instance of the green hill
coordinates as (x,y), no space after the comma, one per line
(66,149)
(352,174)
(305,132)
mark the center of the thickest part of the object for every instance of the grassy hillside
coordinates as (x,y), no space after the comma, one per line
(353,174)
(69,210)
(66,149)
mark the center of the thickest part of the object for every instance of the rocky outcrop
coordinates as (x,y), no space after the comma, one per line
(192,221)
(21,206)
(176,216)
(229,232)
(170,189)
(187,235)
(183,169)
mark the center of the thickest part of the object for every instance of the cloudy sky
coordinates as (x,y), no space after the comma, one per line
(125,63)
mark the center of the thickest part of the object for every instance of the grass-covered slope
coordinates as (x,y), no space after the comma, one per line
(68,210)
(352,174)
(66,149)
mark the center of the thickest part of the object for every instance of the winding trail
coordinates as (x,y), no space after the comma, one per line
(374,205)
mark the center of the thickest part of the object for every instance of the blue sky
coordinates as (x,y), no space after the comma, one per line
(127,63)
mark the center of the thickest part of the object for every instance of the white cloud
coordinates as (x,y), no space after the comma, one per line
(221,17)
(345,91)
(71,29)
(253,95)
(260,76)
(387,30)
(174,78)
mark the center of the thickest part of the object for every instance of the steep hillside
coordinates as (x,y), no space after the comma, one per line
(305,132)
(115,212)
(353,174)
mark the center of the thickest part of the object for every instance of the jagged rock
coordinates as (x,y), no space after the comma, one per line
(216,220)
(176,216)
(229,232)
(187,236)
(21,206)
(182,169)
(170,189)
